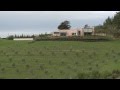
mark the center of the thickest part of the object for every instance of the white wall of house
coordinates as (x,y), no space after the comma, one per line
(75,31)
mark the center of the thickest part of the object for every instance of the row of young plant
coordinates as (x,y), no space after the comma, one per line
(97,75)
(92,74)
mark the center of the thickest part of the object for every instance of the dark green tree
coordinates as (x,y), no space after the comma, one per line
(116,20)
(111,26)
(64,25)
(107,22)
(99,29)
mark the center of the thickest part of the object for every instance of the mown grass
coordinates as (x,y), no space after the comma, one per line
(59,59)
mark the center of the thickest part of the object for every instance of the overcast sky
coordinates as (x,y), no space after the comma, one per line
(35,22)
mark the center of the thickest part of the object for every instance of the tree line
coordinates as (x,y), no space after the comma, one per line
(11,37)
(111,26)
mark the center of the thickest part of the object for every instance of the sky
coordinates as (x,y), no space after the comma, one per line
(37,22)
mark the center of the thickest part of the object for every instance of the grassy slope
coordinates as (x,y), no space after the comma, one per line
(65,59)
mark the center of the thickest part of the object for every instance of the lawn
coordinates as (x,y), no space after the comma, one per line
(59,59)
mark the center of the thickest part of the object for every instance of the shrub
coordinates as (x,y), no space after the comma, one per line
(77,54)
(115,60)
(74,38)
(114,56)
(71,49)
(31,71)
(51,76)
(28,66)
(89,75)
(41,67)
(17,70)
(23,60)
(64,53)
(62,62)
(81,75)
(53,53)
(118,53)
(46,71)
(90,68)
(89,63)
(4,53)
(106,75)
(110,75)
(40,52)
(11,37)
(116,72)
(49,62)
(90,56)
(113,51)
(97,65)
(94,53)
(106,54)
(83,51)
(103,61)
(28,52)
(69,67)
(76,63)
(61,72)
(3,69)
(16,52)
(13,65)
(95,75)
(36,61)
(10,59)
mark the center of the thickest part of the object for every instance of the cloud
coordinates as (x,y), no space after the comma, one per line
(52,15)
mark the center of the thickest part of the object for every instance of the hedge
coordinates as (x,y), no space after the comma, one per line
(74,38)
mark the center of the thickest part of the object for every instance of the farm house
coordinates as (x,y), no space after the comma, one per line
(74,32)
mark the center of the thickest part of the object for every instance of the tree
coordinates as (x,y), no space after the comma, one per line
(22,36)
(99,29)
(64,25)
(107,22)
(108,25)
(33,36)
(116,20)
(111,25)
(15,36)
(86,26)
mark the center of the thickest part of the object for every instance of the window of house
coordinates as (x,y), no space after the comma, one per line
(56,32)
(73,34)
(78,32)
(63,34)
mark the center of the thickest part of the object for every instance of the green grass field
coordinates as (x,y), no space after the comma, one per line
(59,59)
